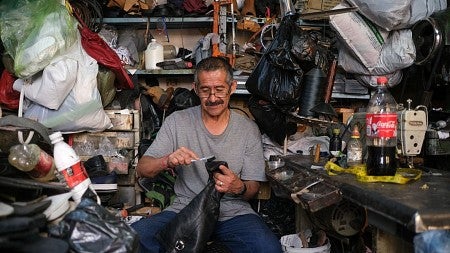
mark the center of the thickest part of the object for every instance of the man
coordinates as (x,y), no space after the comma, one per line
(211,129)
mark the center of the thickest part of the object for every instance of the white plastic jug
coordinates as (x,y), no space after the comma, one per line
(153,54)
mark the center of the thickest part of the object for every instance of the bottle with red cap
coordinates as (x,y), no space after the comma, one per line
(381,131)
(68,163)
(32,159)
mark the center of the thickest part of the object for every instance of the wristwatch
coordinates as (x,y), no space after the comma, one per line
(243,190)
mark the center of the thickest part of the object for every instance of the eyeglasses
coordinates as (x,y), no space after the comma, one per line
(207,92)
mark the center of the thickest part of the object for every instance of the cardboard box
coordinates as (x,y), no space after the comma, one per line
(124,120)
(321,5)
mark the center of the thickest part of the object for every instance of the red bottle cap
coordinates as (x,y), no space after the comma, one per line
(382,80)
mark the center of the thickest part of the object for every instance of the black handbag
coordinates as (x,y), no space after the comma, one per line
(192,227)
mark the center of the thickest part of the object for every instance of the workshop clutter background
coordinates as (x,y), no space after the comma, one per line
(55,57)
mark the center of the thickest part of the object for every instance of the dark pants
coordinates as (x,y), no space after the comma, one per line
(244,233)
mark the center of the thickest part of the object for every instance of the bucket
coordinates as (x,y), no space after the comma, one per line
(293,244)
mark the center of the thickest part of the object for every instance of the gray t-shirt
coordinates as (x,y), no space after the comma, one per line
(239,145)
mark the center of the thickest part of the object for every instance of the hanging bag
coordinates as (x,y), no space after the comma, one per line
(277,77)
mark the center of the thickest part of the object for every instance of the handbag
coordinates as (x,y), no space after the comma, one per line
(192,227)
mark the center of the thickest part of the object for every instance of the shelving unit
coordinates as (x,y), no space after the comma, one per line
(125,137)
(204,22)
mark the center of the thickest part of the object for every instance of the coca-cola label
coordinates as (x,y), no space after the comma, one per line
(381,125)
(75,174)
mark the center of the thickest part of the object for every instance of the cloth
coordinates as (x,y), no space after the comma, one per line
(244,233)
(240,146)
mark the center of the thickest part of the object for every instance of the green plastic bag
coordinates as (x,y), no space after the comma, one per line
(34,32)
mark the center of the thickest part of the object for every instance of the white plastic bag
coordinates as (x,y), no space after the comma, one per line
(398,52)
(82,109)
(363,37)
(52,86)
(398,14)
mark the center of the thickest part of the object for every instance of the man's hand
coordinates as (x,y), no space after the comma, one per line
(181,156)
(228,182)
(151,166)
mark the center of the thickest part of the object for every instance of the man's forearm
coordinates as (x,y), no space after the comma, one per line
(150,166)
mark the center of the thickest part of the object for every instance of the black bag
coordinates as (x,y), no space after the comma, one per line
(277,77)
(192,227)
(182,99)
(271,120)
(92,228)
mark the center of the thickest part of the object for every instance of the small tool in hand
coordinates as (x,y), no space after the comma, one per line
(205,159)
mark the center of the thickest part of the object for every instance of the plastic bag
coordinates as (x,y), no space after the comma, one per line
(398,52)
(191,228)
(82,109)
(8,97)
(51,87)
(364,38)
(271,120)
(92,228)
(98,49)
(105,85)
(394,15)
(277,77)
(34,32)
(433,241)
(182,99)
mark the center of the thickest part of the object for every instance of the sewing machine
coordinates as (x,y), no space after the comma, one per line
(412,126)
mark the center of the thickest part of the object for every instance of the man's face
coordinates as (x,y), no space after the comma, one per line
(214,91)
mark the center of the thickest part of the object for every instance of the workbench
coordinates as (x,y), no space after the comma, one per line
(397,212)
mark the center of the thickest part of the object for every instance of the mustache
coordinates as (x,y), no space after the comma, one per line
(218,102)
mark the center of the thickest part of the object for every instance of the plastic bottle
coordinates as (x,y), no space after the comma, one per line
(153,54)
(354,148)
(69,165)
(381,131)
(335,147)
(33,160)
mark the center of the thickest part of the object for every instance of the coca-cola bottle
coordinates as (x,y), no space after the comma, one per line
(381,131)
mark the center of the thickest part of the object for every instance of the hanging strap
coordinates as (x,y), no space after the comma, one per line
(19,114)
